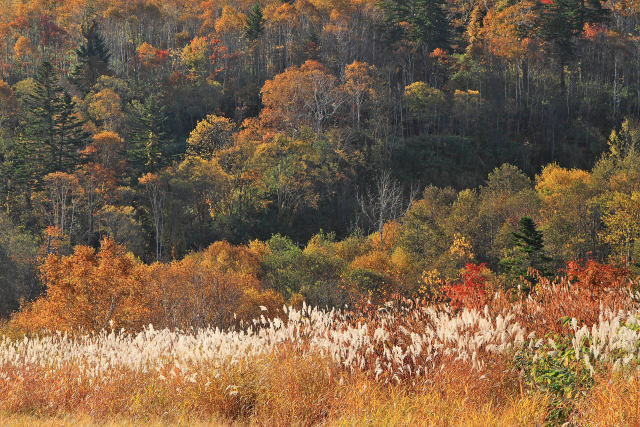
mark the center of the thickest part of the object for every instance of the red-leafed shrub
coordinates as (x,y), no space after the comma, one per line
(596,277)
(585,291)
(471,293)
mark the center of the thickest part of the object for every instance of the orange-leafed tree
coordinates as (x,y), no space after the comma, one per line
(23,48)
(361,84)
(106,150)
(149,56)
(89,290)
(306,95)
(507,30)
(218,286)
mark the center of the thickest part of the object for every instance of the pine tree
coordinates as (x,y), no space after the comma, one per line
(52,135)
(151,147)
(528,253)
(427,22)
(254,23)
(93,58)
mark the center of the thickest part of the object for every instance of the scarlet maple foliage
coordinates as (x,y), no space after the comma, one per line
(471,292)
(151,56)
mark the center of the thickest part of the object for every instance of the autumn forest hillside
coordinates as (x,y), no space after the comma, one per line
(320,212)
(310,150)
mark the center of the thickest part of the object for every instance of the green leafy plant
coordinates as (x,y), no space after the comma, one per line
(554,368)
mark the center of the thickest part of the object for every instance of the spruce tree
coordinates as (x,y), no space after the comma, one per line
(43,106)
(559,24)
(93,58)
(427,22)
(528,238)
(528,252)
(151,147)
(254,23)
(52,135)
(71,137)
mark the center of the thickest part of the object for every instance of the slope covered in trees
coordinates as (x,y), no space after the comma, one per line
(168,125)
(331,211)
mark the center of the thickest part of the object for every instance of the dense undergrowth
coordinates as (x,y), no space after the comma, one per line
(566,352)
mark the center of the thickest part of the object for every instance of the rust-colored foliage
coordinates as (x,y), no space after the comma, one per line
(93,290)
(588,290)
(89,290)
(597,277)
(150,56)
(217,286)
(306,95)
(471,292)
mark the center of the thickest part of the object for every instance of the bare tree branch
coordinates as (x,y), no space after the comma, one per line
(384,202)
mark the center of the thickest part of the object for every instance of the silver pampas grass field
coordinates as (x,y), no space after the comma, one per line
(312,366)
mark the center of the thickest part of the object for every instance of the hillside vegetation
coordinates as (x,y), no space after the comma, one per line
(319,212)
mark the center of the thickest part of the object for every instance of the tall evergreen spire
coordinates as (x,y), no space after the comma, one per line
(93,58)
(528,252)
(528,238)
(150,148)
(52,134)
(255,23)
(71,137)
(420,21)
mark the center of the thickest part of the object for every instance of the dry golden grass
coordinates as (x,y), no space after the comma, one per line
(313,369)
(277,389)
(431,408)
(87,421)
(364,406)
(613,401)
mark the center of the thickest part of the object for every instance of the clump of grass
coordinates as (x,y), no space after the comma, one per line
(430,406)
(613,401)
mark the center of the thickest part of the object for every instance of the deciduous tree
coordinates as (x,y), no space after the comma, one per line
(156,192)
(211,133)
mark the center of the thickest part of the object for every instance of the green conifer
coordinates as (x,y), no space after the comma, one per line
(52,135)
(254,23)
(93,58)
